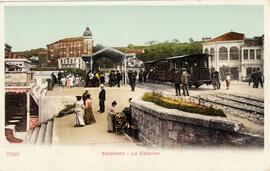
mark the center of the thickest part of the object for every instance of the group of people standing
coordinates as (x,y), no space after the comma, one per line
(256,78)
(181,78)
(115,78)
(94,79)
(68,79)
(83,107)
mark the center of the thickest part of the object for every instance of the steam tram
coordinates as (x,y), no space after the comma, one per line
(196,65)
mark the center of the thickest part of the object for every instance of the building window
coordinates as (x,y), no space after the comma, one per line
(206,51)
(71,60)
(223,53)
(246,54)
(234,53)
(212,52)
(252,54)
(258,54)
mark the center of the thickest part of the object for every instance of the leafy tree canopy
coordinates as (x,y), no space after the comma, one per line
(162,50)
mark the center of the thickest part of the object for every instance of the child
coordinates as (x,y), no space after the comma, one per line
(79,110)
(227,79)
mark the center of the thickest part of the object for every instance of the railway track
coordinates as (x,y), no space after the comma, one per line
(241,101)
(232,105)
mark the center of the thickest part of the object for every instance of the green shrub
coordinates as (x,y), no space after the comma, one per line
(182,105)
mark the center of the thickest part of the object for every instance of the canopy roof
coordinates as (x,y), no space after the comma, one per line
(108,52)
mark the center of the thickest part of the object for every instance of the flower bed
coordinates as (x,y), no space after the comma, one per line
(182,105)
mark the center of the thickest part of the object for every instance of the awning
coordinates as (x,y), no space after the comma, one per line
(111,53)
(17,90)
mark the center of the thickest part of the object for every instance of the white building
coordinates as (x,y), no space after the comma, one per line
(234,54)
(17,64)
(71,62)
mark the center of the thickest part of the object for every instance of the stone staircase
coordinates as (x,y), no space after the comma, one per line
(41,135)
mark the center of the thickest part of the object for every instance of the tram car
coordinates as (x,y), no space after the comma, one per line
(196,65)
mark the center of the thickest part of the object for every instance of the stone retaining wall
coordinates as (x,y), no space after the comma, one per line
(170,127)
(50,106)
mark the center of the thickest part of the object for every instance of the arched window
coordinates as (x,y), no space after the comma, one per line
(206,51)
(234,53)
(223,53)
(212,52)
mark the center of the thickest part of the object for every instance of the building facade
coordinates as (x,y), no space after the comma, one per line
(69,51)
(233,53)
(14,62)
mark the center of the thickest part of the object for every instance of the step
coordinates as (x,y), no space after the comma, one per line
(11,126)
(17,117)
(34,135)
(48,134)
(21,135)
(29,135)
(41,134)
(13,121)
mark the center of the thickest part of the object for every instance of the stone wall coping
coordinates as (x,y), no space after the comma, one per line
(214,122)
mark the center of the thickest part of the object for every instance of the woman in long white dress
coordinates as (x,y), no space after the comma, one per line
(110,116)
(79,110)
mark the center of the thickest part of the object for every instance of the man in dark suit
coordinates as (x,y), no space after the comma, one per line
(102,98)
(118,78)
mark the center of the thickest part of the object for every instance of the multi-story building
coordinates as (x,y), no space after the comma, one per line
(69,51)
(233,53)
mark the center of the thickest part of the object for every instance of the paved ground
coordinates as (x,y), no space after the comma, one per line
(96,133)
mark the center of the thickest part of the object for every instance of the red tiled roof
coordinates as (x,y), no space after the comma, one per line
(137,51)
(12,55)
(228,37)
(70,39)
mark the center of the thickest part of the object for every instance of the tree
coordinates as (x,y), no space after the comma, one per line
(191,40)
(175,41)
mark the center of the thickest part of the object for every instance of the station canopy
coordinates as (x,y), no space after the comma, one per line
(107,52)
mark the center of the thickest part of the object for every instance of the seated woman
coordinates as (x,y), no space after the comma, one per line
(79,112)
(110,125)
(88,114)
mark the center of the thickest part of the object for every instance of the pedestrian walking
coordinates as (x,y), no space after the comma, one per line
(118,78)
(79,111)
(260,77)
(102,98)
(228,80)
(144,76)
(110,117)
(132,80)
(102,79)
(84,95)
(88,116)
(185,79)
(140,76)
(216,80)
(251,79)
(256,79)
(63,81)
(177,82)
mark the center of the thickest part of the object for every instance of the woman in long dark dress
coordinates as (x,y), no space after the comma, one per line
(88,114)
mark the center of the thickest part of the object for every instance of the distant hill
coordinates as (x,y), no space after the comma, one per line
(30,53)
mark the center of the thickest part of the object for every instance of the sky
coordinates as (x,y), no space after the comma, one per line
(29,27)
